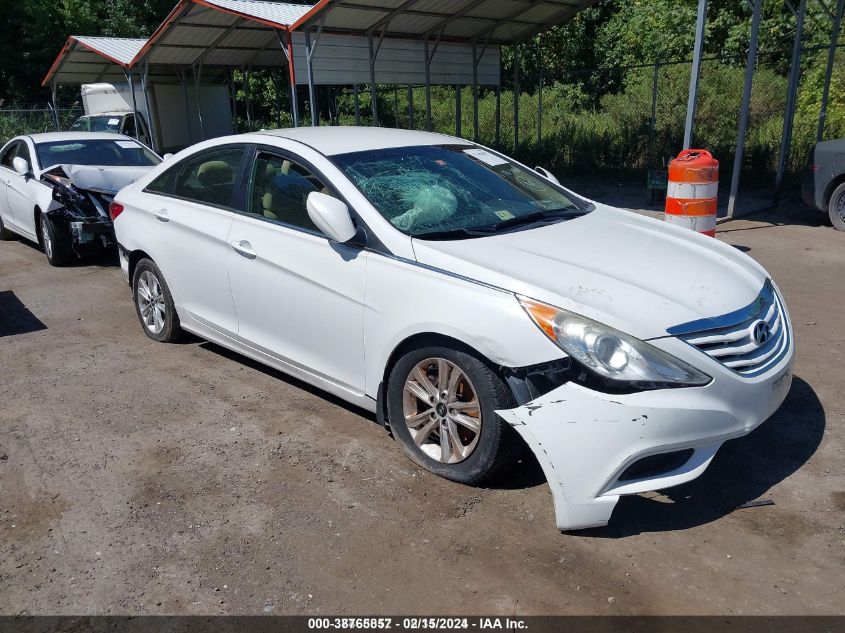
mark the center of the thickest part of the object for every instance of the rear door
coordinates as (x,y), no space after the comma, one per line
(6,171)
(298,296)
(191,207)
(22,192)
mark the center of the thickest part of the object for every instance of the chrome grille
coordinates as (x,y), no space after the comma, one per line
(736,339)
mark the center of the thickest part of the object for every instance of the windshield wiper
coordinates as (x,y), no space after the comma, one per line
(453,234)
(536,217)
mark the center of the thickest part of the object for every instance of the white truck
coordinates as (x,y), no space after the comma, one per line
(170,123)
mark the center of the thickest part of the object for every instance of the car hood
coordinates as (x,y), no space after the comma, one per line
(634,273)
(103,179)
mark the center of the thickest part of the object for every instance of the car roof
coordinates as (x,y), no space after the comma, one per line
(332,140)
(52,137)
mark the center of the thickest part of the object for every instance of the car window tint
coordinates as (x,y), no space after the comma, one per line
(279,191)
(9,155)
(163,183)
(23,152)
(210,178)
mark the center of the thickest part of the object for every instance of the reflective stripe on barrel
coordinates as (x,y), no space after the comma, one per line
(691,197)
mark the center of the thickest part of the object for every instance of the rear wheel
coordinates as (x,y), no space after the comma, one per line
(154,303)
(836,207)
(56,246)
(442,408)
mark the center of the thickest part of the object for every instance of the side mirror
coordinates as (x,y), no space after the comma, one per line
(167,156)
(545,173)
(331,216)
(21,166)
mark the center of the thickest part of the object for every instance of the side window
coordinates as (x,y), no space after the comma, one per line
(129,126)
(210,178)
(23,152)
(279,188)
(9,155)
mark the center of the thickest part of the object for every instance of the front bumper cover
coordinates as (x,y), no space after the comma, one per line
(586,440)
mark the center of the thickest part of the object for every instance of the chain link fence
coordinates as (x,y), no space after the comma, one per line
(34,119)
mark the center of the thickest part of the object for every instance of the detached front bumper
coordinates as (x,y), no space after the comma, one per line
(594,447)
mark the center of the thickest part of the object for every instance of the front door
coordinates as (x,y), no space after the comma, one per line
(298,296)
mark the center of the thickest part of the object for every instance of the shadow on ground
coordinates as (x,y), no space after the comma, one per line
(15,317)
(103,259)
(743,470)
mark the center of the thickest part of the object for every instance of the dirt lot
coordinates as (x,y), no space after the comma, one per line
(139,478)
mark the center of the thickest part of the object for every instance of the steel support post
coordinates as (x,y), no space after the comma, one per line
(695,73)
(197,70)
(792,91)
(356,100)
(312,93)
(831,59)
(152,120)
(428,56)
(540,105)
(515,97)
(653,122)
(498,115)
(247,104)
(55,104)
(131,78)
(373,92)
(746,102)
(458,113)
(286,45)
(474,92)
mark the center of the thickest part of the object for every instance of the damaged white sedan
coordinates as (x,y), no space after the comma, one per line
(468,300)
(55,189)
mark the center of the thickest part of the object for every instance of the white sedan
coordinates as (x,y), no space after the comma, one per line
(474,304)
(55,188)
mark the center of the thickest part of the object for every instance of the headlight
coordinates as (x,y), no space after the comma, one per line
(610,353)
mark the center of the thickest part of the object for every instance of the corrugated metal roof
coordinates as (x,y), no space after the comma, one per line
(280,13)
(502,21)
(121,49)
(84,59)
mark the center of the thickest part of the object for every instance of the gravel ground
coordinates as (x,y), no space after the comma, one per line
(141,478)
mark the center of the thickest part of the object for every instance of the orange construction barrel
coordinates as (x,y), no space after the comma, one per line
(692,191)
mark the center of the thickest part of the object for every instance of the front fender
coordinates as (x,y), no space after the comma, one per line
(405,299)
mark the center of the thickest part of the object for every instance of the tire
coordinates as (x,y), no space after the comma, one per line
(836,207)
(480,456)
(5,234)
(154,303)
(56,246)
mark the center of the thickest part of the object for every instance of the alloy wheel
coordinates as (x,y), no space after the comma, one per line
(151,302)
(45,238)
(442,411)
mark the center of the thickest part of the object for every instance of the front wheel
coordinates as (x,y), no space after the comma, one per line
(836,207)
(56,246)
(154,303)
(442,405)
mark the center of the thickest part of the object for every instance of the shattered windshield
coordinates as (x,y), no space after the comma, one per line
(105,153)
(456,191)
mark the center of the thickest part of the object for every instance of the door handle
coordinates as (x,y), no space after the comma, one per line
(244,248)
(161,215)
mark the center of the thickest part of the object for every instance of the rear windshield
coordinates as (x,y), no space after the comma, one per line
(454,190)
(104,123)
(108,153)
